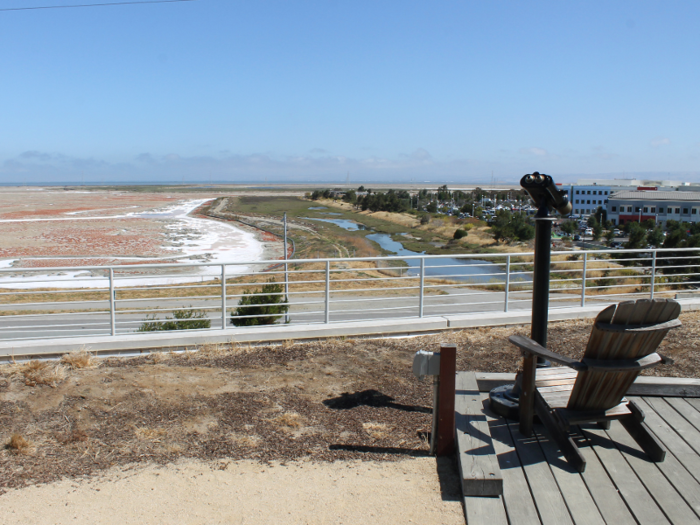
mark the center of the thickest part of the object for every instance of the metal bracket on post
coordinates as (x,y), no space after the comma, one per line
(442,368)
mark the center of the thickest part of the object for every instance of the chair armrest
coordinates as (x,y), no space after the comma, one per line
(624,365)
(528,345)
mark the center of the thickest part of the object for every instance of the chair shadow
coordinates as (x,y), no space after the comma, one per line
(380,450)
(371,398)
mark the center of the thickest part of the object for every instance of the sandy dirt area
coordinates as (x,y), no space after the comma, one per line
(245,492)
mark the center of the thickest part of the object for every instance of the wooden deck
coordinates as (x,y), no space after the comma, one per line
(620,484)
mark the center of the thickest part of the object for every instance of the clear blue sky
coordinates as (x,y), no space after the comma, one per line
(382,90)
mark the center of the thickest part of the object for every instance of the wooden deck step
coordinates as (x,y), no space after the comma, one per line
(478,464)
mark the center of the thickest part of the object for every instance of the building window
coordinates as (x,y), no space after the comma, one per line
(576,192)
(678,210)
(636,209)
(589,192)
(661,210)
(695,211)
(606,192)
(653,209)
(685,211)
(588,202)
(613,221)
(629,209)
(613,209)
(576,201)
(646,210)
(595,192)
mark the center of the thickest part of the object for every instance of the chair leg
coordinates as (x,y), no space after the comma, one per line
(644,438)
(527,394)
(561,437)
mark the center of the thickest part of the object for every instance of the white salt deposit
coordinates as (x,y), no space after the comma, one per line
(197,241)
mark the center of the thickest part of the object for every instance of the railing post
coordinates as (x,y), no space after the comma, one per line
(505,306)
(421,287)
(112,308)
(653,274)
(223,297)
(583,279)
(328,291)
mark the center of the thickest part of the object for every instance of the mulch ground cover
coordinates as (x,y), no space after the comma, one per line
(323,401)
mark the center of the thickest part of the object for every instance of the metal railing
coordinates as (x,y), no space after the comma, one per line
(40,303)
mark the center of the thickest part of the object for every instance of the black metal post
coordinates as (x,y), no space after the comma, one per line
(540,280)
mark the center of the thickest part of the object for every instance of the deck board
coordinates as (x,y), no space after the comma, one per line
(478,465)
(579,501)
(635,494)
(545,491)
(519,505)
(661,489)
(673,442)
(688,432)
(620,485)
(685,409)
(602,489)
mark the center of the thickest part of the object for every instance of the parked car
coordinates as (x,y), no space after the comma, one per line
(588,231)
(616,245)
(617,232)
(577,237)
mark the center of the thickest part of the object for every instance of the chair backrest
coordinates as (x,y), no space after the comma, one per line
(623,331)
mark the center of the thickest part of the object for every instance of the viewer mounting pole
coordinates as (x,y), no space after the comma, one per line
(504,400)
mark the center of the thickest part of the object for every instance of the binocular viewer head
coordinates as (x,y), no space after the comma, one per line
(542,189)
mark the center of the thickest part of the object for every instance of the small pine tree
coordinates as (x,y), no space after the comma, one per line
(267,306)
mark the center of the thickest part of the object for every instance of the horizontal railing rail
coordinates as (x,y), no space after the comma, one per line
(39,303)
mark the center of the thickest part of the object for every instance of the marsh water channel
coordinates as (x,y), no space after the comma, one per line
(475,271)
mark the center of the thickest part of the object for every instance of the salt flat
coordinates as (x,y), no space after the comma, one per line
(56,228)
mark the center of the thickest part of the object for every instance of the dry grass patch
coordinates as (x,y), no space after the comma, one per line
(40,373)
(376,430)
(150,434)
(79,359)
(213,349)
(19,444)
(245,440)
(289,420)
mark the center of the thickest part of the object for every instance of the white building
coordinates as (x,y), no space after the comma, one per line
(661,206)
(585,199)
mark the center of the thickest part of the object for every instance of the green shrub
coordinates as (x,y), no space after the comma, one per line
(459,234)
(269,304)
(181,320)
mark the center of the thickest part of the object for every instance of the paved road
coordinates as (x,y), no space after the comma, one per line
(305,308)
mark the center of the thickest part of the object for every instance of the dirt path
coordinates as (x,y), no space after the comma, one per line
(193,492)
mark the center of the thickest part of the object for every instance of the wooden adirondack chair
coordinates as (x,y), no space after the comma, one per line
(622,344)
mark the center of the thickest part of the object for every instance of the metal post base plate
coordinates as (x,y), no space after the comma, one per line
(504,403)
